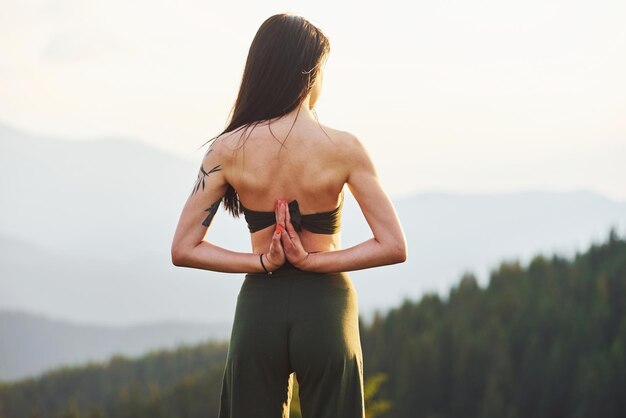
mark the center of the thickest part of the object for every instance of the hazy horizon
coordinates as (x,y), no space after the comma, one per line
(100,230)
(480,97)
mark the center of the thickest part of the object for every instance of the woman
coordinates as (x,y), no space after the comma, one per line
(297,309)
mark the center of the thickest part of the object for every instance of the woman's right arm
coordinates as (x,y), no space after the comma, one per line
(189,247)
(388,245)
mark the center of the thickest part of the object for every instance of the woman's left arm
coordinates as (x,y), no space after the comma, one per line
(189,249)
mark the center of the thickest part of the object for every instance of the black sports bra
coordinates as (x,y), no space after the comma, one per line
(319,222)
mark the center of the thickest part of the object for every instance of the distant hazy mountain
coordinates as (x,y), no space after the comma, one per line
(31,344)
(449,233)
(112,198)
(86,229)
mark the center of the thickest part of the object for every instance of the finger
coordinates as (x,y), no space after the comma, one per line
(277,209)
(277,246)
(288,244)
(277,232)
(293,234)
(288,224)
(278,212)
(281,213)
(285,240)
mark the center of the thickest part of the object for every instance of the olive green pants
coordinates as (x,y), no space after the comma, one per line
(294,321)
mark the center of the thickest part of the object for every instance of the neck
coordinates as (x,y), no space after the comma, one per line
(303,111)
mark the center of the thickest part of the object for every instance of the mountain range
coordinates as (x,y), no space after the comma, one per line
(86,229)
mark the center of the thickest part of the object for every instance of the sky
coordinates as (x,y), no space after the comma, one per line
(458,96)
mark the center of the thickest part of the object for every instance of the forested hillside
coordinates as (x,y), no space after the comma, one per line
(547,339)
(543,340)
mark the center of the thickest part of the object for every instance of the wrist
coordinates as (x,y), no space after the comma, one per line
(305,263)
(269,265)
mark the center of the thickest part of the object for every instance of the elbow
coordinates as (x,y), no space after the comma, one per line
(177,260)
(394,252)
(178,257)
(399,253)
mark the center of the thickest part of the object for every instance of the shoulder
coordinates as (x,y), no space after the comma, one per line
(353,149)
(219,155)
(345,143)
(350,153)
(357,158)
(224,148)
(353,143)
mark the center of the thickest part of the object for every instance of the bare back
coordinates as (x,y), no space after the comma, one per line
(310,167)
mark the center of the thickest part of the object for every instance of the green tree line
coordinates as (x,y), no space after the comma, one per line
(543,340)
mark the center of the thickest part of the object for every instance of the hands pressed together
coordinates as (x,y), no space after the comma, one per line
(286,244)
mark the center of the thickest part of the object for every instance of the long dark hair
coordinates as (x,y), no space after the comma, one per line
(283,64)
